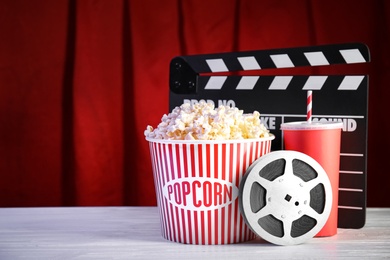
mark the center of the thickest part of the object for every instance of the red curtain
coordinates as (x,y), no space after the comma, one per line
(80,80)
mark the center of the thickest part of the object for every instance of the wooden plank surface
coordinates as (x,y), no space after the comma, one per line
(134,233)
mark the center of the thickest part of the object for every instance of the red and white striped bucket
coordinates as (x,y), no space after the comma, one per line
(197,185)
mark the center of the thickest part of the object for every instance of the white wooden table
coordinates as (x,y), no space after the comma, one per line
(134,233)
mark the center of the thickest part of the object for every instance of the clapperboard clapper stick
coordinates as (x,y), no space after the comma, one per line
(341,98)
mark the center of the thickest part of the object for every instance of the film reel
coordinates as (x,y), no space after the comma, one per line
(285,197)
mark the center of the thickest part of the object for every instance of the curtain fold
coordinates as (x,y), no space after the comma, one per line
(67,146)
(81,80)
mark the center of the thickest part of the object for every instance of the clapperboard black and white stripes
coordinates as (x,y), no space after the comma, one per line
(281,98)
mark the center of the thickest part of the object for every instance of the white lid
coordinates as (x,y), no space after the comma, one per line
(304,125)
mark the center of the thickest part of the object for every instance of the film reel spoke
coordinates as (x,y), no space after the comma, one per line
(288,169)
(308,186)
(312,213)
(262,213)
(266,184)
(287,227)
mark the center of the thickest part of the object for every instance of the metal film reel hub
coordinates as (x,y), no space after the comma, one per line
(285,197)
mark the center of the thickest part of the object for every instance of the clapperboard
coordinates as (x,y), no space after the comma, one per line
(282,99)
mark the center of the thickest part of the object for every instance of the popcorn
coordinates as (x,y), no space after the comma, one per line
(202,121)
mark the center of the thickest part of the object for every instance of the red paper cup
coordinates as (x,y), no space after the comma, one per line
(321,141)
(197,185)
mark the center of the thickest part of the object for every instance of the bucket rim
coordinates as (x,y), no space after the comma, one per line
(249,140)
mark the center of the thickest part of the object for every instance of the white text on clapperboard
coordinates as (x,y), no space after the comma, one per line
(270,122)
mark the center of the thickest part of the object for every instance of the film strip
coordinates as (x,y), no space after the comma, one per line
(281,98)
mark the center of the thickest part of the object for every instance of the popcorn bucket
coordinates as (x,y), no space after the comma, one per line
(197,186)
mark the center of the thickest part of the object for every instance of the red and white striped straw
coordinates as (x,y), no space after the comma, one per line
(309,106)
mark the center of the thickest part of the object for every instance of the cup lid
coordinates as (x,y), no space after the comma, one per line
(304,125)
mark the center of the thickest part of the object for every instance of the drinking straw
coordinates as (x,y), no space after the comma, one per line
(309,106)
